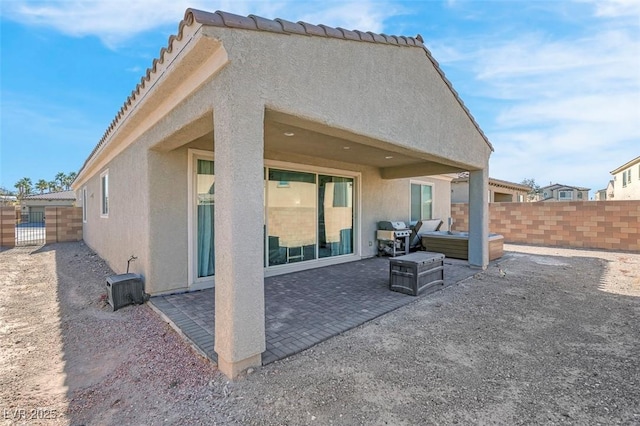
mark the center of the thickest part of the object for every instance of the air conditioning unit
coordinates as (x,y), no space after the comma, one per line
(125,289)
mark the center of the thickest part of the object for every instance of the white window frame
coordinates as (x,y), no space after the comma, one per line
(84,204)
(325,261)
(195,282)
(560,197)
(433,198)
(104,207)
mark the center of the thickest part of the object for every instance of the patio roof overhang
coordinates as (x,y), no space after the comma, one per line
(193,57)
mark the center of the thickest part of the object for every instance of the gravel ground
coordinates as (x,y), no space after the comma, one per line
(550,336)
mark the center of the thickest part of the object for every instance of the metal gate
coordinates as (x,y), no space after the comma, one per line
(30,229)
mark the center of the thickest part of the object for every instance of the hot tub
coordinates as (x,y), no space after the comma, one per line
(456,244)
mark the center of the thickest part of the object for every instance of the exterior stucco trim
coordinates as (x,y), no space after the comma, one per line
(626,166)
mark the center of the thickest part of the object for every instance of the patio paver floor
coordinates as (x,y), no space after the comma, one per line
(304,308)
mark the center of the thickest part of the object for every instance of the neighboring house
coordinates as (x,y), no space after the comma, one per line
(606,193)
(610,190)
(600,195)
(500,191)
(626,181)
(34,205)
(317,134)
(559,192)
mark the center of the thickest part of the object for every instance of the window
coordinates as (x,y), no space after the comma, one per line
(565,195)
(629,176)
(421,202)
(579,195)
(309,216)
(624,179)
(84,204)
(104,194)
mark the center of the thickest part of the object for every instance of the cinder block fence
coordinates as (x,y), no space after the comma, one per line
(62,224)
(610,225)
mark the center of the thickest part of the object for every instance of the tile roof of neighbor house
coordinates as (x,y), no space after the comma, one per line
(63,195)
(559,185)
(256,23)
(497,182)
(626,165)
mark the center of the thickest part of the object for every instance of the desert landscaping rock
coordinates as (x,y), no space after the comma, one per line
(548,336)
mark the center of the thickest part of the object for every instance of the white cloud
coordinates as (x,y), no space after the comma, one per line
(616,8)
(114,22)
(559,106)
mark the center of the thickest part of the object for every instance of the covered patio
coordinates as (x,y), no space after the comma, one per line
(266,147)
(303,308)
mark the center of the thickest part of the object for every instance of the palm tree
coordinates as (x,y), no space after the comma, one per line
(71,177)
(23,186)
(42,185)
(53,186)
(68,180)
(60,179)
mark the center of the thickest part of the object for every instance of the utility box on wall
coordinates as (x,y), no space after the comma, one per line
(125,289)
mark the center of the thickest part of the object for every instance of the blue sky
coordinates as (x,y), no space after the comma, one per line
(555,85)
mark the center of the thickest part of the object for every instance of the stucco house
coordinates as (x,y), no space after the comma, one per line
(310,136)
(500,191)
(560,192)
(33,205)
(626,181)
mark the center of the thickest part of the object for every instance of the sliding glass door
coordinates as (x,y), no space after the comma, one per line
(308,216)
(291,216)
(335,215)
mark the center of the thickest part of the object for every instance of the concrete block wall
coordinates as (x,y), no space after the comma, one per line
(610,225)
(63,224)
(8,226)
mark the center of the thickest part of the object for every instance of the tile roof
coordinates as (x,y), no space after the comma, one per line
(559,186)
(63,195)
(256,23)
(496,182)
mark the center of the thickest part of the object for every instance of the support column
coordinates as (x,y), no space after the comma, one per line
(239,233)
(479,218)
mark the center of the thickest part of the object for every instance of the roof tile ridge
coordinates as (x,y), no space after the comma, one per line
(390,39)
(191,16)
(270,25)
(331,31)
(365,36)
(232,20)
(377,38)
(349,34)
(311,29)
(291,27)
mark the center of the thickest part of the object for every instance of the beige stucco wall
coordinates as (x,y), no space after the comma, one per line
(389,93)
(632,190)
(386,94)
(380,200)
(125,231)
